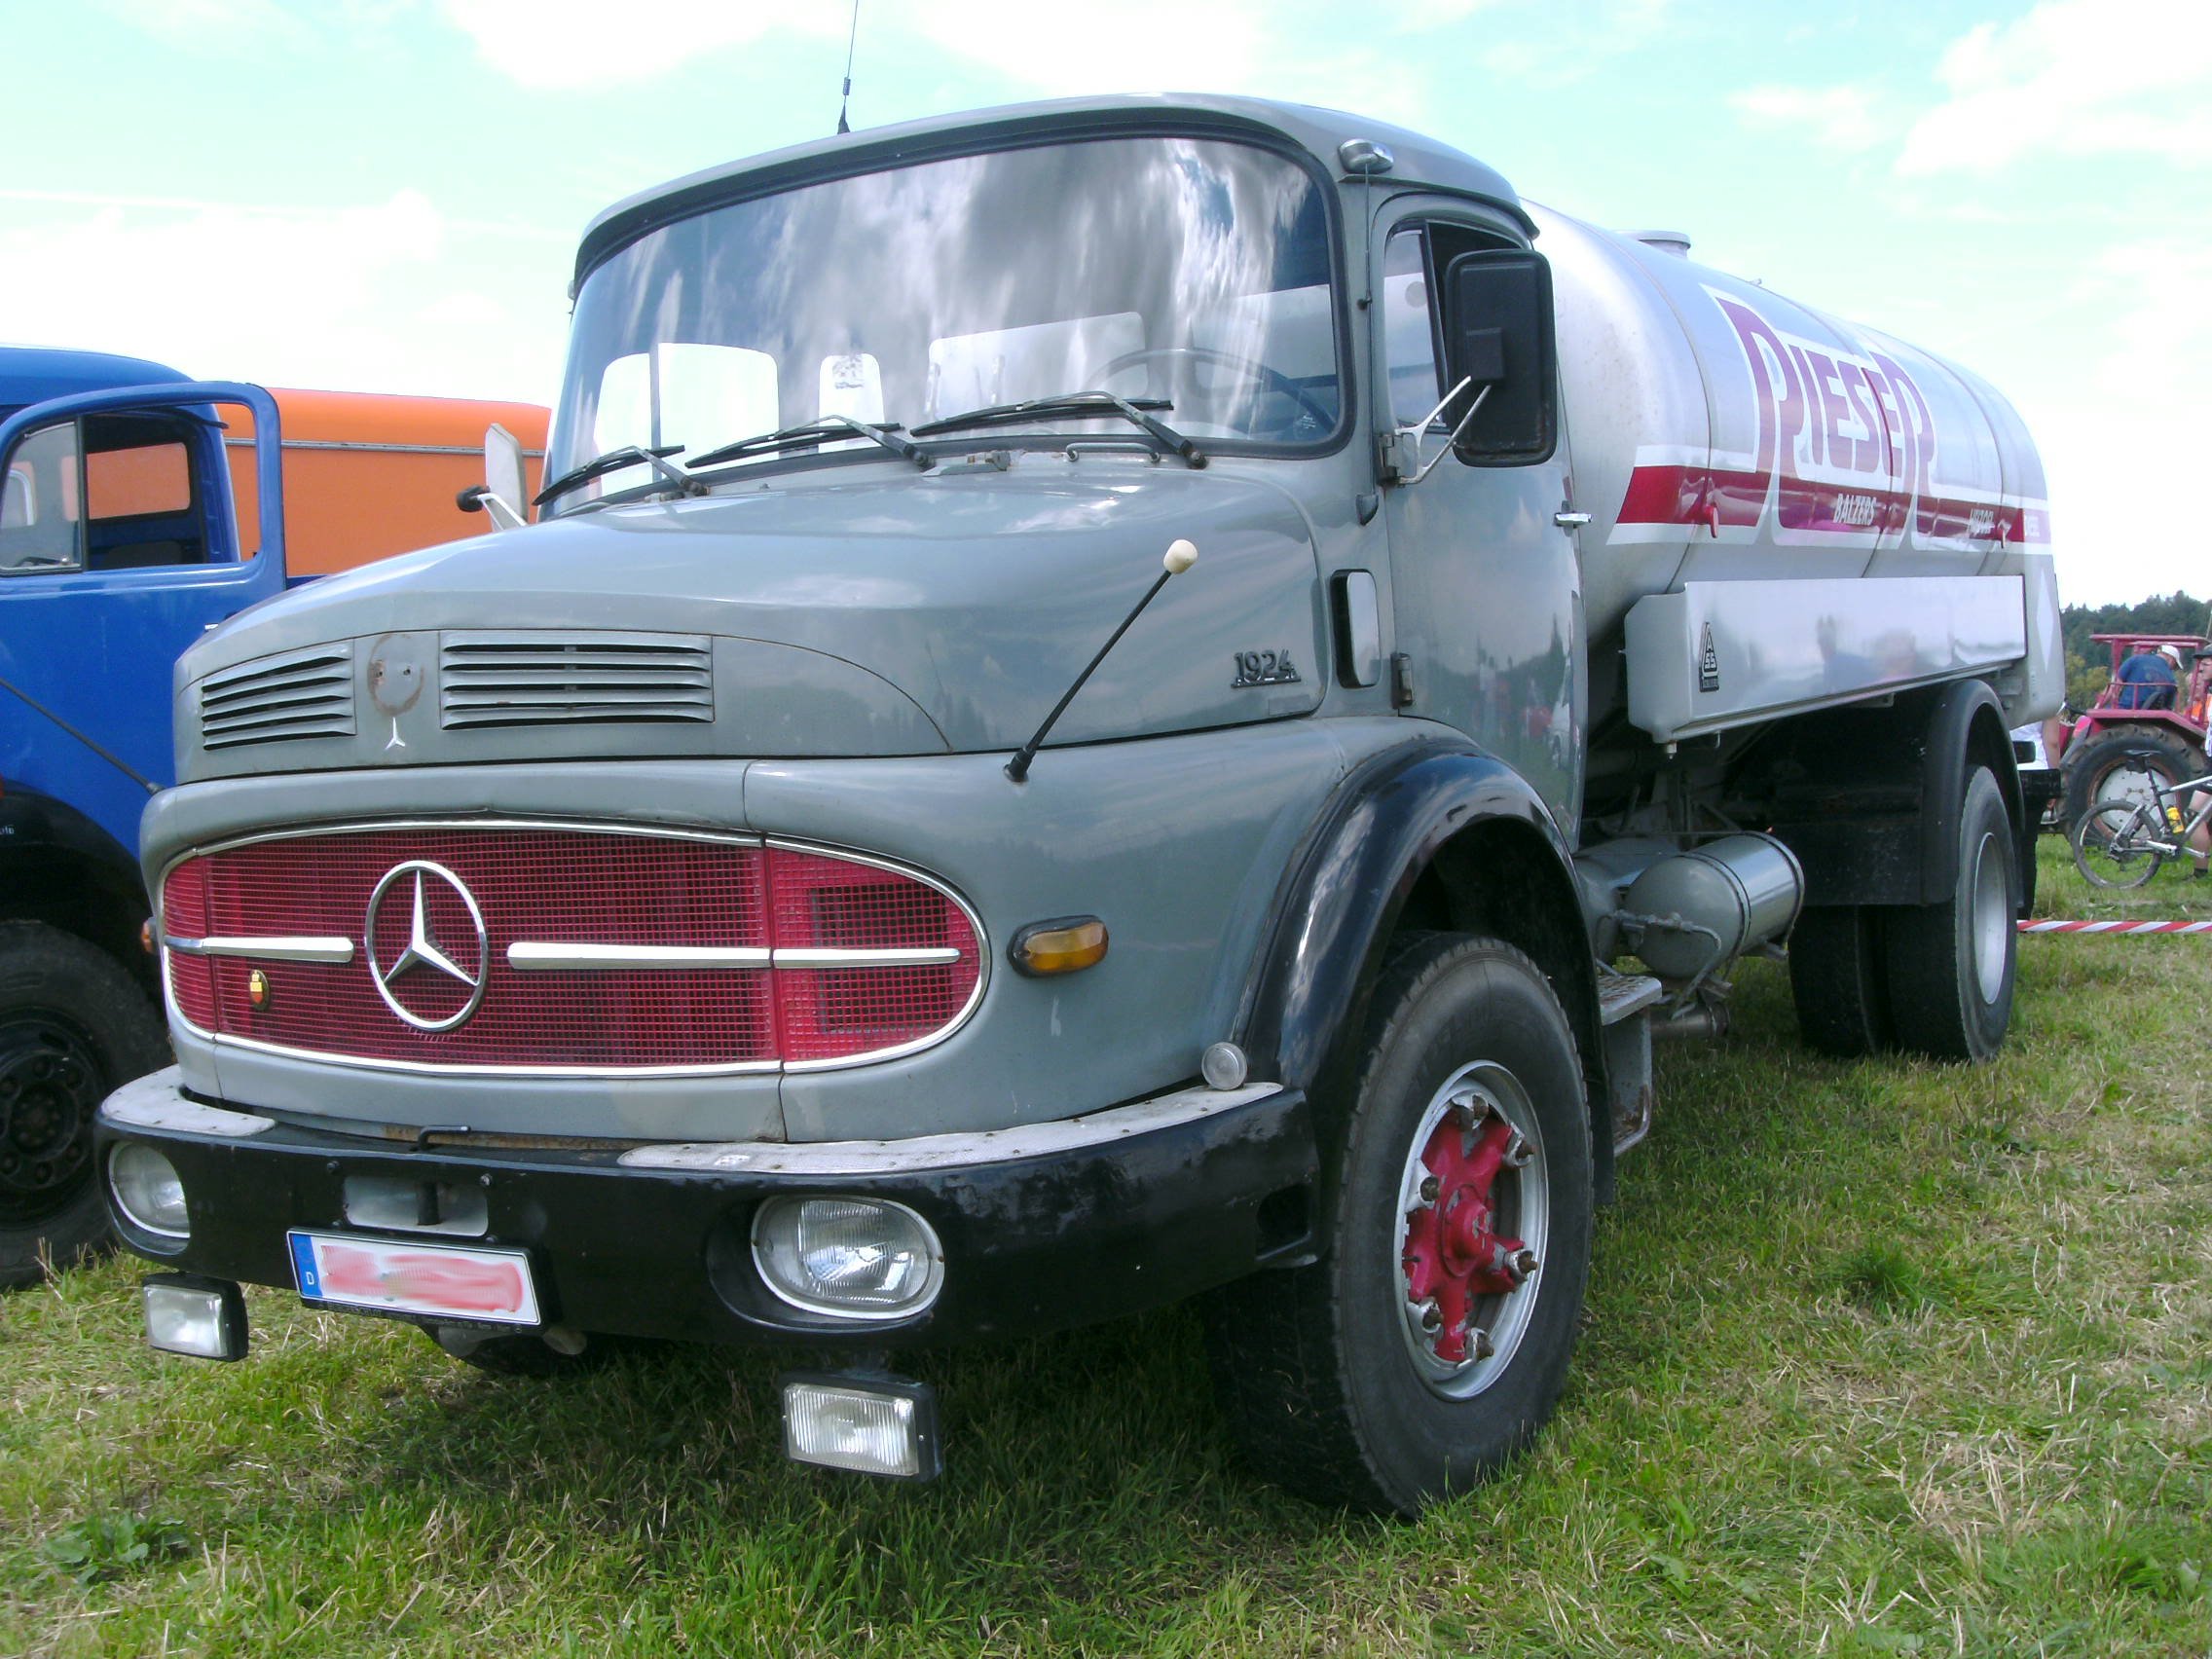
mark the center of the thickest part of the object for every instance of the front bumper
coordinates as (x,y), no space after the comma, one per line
(1055,1225)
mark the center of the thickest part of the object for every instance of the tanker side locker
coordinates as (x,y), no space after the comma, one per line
(117,549)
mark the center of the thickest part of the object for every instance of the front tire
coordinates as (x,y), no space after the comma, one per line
(1431,1341)
(74,1026)
(1952,963)
(2114,845)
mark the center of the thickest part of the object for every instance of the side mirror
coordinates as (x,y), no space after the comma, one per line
(1498,334)
(502,492)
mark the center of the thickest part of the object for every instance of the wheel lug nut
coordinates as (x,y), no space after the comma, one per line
(1484,1348)
(1429,1187)
(1524,1262)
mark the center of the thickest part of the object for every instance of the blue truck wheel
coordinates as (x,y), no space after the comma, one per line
(74,1026)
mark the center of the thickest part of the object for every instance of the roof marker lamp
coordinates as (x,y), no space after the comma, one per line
(1066,945)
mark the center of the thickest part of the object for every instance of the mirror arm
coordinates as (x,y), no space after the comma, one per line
(1416,429)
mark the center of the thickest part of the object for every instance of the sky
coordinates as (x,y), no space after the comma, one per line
(386,195)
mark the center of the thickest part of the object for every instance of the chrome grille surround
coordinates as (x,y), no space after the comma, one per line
(293,948)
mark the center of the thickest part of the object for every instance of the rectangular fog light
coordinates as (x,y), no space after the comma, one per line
(198,1316)
(872,1425)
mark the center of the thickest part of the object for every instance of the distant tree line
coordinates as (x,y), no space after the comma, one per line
(2088,665)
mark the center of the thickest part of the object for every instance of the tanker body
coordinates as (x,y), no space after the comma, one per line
(1111,700)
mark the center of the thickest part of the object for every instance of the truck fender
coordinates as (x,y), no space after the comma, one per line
(1966,727)
(59,866)
(1435,834)
(1867,797)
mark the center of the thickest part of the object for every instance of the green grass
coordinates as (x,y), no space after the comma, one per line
(1880,1357)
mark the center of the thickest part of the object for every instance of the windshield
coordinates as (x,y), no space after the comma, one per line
(1192,271)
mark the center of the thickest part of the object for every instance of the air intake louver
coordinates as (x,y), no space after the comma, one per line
(558,678)
(274,699)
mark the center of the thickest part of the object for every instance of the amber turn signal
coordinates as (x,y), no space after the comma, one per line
(1066,945)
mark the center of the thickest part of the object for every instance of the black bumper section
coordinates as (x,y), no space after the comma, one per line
(1030,1245)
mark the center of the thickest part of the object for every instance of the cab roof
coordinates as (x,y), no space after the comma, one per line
(1318,131)
(32,374)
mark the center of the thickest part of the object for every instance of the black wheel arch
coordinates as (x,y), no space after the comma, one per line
(1868,797)
(1438,834)
(60,868)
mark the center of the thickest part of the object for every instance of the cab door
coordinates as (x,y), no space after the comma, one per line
(1485,571)
(117,549)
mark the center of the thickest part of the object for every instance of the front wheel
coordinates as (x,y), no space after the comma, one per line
(1431,1341)
(2118,845)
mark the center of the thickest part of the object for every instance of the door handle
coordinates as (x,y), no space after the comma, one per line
(1570,521)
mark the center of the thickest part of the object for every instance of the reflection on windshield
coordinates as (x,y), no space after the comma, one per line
(1193,270)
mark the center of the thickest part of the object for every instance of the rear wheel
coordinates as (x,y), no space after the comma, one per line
(2115,766)
(1951,963)
(2118,845)
(1431,1341)
(1837,978)
(74,1026)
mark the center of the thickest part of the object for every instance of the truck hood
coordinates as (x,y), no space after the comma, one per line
(920,613)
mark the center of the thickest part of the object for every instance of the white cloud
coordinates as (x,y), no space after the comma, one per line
(1840,117)
(2071,78)
(577,45)
(363,297)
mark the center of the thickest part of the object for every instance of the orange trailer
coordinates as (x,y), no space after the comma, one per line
(369,475)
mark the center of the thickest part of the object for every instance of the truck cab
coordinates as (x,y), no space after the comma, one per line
(1107,701)
(117,549)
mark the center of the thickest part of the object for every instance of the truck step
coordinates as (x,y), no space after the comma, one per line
(1621,995)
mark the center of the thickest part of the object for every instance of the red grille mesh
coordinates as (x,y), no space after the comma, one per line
(568,886)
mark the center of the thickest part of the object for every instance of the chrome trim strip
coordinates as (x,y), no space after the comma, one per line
(949,1151)
(532,956)
(926,956)
(272,947)
(722,837)
(155,1101)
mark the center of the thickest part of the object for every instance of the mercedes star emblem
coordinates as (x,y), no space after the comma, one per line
(423,955)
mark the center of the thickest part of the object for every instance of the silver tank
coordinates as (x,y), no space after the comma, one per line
(1721,433)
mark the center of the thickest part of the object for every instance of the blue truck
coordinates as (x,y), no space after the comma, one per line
(121,549)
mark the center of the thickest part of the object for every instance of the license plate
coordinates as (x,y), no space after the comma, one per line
(490,1285)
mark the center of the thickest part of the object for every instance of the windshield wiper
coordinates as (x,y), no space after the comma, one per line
(1075,404)
(614,460)
(825,430)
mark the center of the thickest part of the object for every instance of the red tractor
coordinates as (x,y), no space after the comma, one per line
(2106,750)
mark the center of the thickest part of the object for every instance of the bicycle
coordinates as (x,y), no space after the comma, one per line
(2125,842)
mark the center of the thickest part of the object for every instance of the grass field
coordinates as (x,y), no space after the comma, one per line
(1880,1357)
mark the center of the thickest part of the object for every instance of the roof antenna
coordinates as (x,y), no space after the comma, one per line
(843,126)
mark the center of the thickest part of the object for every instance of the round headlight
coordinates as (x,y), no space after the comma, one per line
(859,1258)
(148,1190)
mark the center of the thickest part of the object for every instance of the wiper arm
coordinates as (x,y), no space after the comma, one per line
(614,460)
(1075,404)
(824,430)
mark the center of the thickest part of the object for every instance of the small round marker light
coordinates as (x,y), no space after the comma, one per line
(257,989)
(1223,1065)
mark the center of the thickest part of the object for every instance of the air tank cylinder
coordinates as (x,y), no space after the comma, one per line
(1746,889)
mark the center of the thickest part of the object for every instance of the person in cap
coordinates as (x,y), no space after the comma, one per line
(2150,678)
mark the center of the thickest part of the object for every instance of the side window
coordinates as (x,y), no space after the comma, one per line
(39,523)
(1409,327)
(141,506)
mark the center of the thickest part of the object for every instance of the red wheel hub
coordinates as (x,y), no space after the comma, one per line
(1454,1253)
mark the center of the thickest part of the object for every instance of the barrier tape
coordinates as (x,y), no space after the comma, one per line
(2116,927)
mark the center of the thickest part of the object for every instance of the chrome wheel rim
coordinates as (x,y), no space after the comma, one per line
(1992,919)
(1473,1230)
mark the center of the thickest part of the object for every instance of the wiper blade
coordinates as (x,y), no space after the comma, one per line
(1075,404)
(825,430)
(614,460)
